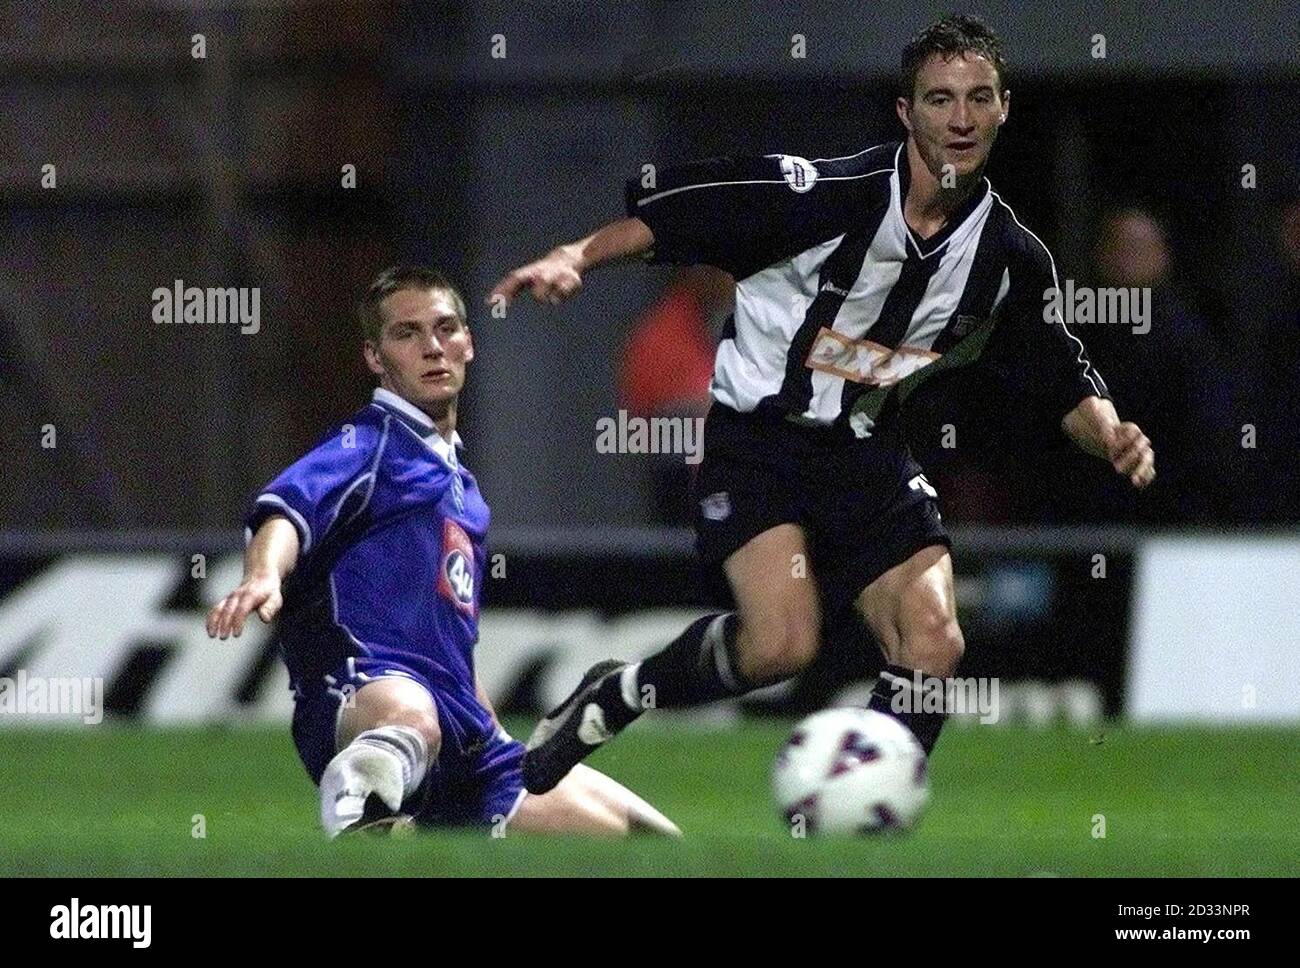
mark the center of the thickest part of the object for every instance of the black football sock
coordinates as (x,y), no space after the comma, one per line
(895,694)
(619,705)
(697,667)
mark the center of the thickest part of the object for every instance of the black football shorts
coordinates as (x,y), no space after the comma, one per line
(864,504)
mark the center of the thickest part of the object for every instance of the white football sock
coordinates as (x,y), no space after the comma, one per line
(389,761)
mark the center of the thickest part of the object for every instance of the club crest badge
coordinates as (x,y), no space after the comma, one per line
(456,574)
(799,173)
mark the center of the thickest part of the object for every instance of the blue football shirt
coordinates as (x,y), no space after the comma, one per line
(391,532)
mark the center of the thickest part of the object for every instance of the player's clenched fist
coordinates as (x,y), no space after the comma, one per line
(260,592)
(1130,453)
(551,279)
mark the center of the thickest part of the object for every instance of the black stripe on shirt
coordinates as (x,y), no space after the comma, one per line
(891,325)
(982,282)
(838,274)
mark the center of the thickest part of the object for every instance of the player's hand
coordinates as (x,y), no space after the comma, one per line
(551,279)
(260,592)
(1130,453)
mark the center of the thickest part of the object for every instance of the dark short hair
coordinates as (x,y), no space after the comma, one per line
(397,279)
(958,33)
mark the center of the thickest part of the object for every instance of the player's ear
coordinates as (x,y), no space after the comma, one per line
(1006,105)
(469,343)
(371,353)
(904,108)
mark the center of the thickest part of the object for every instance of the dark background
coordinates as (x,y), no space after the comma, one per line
(225,171)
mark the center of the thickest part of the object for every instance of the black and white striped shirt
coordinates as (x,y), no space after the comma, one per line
(839,305)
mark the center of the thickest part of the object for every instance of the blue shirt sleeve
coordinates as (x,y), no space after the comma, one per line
(328,486)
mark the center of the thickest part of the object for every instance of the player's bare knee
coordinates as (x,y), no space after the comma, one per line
(771,652)
(425,722)
(419,716)
(391,703)
(801,646)
(935,643)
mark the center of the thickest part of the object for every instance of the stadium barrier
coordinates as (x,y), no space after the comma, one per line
(1216,630)
(1046,613)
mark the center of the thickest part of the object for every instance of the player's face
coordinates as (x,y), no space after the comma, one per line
(423,348)
(956,109)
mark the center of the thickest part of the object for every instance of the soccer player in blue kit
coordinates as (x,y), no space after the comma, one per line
(371,549)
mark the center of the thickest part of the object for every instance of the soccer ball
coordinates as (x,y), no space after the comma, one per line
(851,771)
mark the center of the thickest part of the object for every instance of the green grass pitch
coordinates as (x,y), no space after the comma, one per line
(1005,801)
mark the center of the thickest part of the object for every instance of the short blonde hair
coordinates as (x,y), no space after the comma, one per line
(397,279)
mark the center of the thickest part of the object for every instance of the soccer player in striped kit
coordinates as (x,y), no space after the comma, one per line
(373,544)
(856,278)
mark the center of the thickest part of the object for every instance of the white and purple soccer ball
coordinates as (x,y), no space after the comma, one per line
(851,771)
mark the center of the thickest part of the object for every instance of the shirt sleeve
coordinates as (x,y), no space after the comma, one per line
(330,485)
(1031,352)
(743,213)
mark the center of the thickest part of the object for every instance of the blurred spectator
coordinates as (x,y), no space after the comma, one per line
(666,368)
(1288,244)
(1174,380)
(1270,353)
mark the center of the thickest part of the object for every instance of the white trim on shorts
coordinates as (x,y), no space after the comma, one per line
(519,802)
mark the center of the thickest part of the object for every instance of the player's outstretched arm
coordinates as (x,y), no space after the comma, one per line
(270,556)
(1096,428)
(558,275)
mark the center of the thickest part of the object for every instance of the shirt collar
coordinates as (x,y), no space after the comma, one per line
(956,220)
(420,422)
